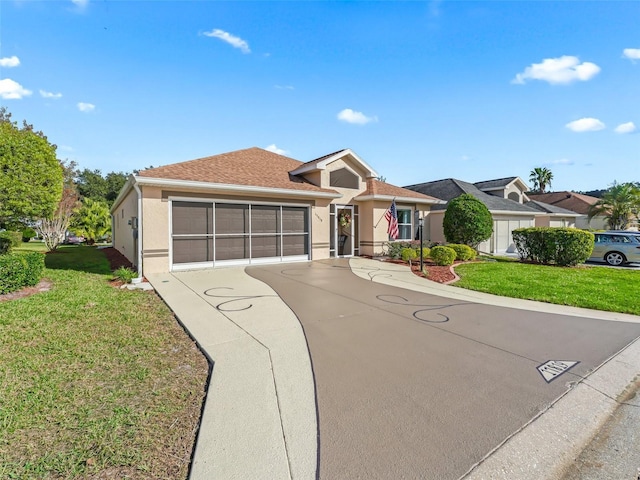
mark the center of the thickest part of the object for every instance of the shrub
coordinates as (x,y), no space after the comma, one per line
(553,245)
(463,252)
(426,252)
(125,274)
(34,268)
(5,245)
(394,249)
(27,234)
(467,220)
(408,254)
(14,237)
(442,255)
(12,272)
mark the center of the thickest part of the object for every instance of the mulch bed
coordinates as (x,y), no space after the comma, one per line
(435,273)
(116,259)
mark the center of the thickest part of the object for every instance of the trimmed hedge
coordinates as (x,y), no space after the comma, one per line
(14,237)
(408,254)
(463,252)
(5,245)
(442,255)
(27,234)
(20,270)
(426,252)
(394,249)
(553,245)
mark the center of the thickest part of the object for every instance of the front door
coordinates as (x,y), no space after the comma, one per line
(345,231)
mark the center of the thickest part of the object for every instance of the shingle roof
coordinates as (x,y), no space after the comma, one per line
(450,188)
(251,167)
(324,157)
(547,208)
(378,188)
(576,202)
(497,183)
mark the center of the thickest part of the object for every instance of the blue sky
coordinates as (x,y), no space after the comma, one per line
(420,90)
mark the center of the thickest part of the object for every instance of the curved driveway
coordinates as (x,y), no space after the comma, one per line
(414,385)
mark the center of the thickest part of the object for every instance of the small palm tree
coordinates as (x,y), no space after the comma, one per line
(541,178)
(619,205)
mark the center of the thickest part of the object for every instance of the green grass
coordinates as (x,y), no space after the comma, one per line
(599,288)
(95,380)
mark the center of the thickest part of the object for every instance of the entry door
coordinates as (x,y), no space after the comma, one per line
(345,231)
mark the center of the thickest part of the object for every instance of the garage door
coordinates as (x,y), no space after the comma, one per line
(206,234)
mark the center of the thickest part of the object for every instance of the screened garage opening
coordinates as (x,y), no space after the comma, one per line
(205,234)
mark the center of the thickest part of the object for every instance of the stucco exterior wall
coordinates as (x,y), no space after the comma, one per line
(320,230)
(123,234)
(155,233)
(596,223)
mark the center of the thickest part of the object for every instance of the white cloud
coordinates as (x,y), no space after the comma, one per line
(274,149)
(284,87)
(351,116)
(562,70)
(80,3)
(561,161)
(86,107)
(10,90)
(45,94)
(465,158)
(232,40)
(9,62)
(587,124)
(631,53)
(628,127)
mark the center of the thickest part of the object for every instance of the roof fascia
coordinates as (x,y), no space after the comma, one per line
(124,191)
(371,173)
(515,212)
(425,201)
(223,187)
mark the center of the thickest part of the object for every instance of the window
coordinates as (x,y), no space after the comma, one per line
(404,225)
(344,178)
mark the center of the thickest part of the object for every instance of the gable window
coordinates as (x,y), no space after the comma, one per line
(405,230)
(344,178)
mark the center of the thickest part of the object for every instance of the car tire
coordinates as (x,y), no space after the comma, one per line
(615,259)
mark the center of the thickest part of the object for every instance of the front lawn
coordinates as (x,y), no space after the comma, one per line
(95,381)
(599,288)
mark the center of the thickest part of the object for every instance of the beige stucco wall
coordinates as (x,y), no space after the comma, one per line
(596,223)
(155,234)
(436,230)
(320,229)
(123,239)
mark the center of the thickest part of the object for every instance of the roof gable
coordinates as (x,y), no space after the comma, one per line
(576,202)
(377,190)
(347,155)
(502,183)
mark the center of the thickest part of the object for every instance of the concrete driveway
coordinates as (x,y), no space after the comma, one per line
(416,385)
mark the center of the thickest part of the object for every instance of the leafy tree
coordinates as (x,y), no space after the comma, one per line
(619,205)
(30,173)
(92,220)
(467,221)
(91,184)
(541,178)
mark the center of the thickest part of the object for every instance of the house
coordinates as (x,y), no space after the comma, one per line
(254,206)
(575,202)
(507,202)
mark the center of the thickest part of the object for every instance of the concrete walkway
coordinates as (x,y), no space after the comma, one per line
(259,420)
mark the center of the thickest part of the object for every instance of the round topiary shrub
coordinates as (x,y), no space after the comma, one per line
(27,234)
(464,253)
(467,220)
(408,254)
(426,252)
(442,255)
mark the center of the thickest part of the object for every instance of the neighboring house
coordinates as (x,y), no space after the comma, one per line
(575,202)
(507,201)
(254,206)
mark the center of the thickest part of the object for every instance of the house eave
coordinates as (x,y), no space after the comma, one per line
(314,167)
(223,187)
(389,198)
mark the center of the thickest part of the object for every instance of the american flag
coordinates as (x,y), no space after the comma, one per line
(392,218)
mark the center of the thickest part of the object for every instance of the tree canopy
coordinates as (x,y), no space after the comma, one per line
(91,184)
(31,176)
(467,221)
(541,178)
(620,204)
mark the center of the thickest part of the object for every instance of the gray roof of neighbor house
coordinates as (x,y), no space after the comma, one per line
(546,208)
(497,183)
(450,188)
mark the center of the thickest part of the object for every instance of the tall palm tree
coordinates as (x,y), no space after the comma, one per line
(541,178)
(619,205)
